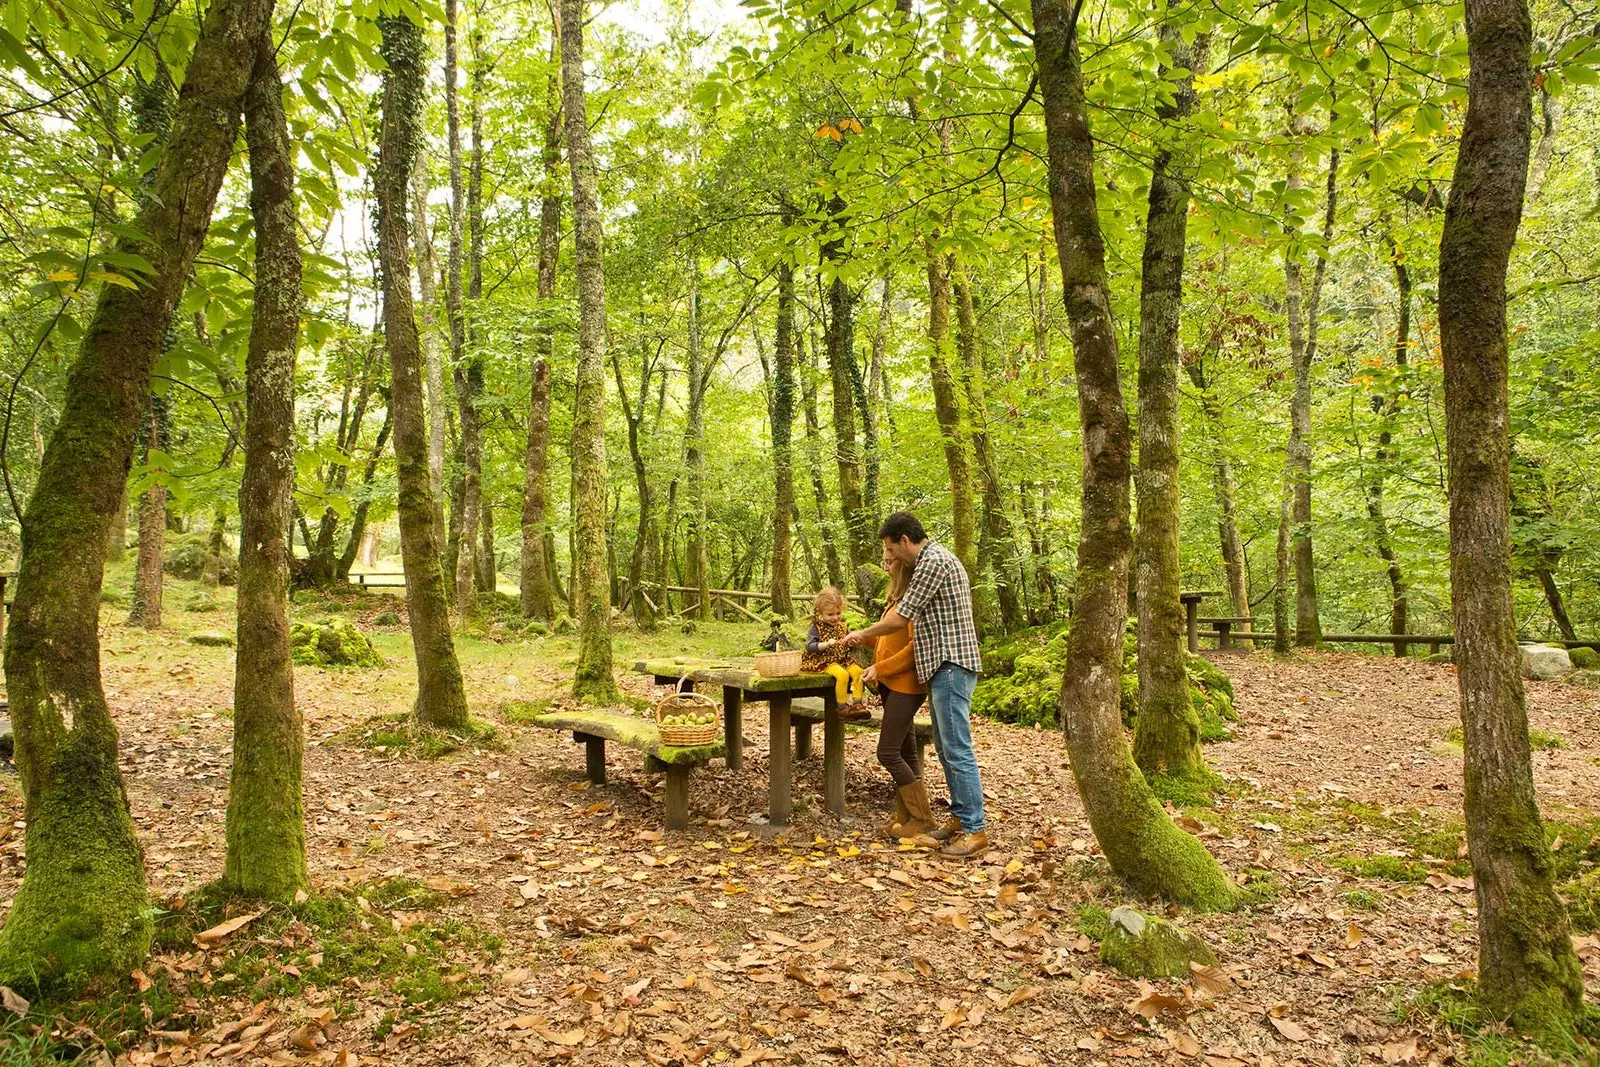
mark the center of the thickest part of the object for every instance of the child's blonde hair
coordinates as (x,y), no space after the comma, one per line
(826,599)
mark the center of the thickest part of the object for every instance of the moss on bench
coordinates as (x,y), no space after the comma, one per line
(627,730)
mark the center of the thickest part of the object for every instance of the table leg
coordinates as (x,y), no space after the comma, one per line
(1191,613)
(802,739)
(833,757)
(678,795)
(1224,638)
(594,757)
(733,726)
(779,803)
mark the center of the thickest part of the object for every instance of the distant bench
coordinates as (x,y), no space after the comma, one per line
(379,580)
(594,728)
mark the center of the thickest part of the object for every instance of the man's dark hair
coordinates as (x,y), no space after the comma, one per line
(902,524)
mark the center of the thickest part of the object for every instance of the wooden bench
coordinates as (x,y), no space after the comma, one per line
(1190,599)
(595,728)
(1222,628)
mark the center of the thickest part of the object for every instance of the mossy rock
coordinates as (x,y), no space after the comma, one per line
(331,644)
(211,639)
(186,556)
(202,602)
(1143,946)
(387,618)
(1582,895)
(566,624)
(115,597)
(1584,659)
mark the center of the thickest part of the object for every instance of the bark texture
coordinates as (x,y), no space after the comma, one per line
(538,566)
(783,387)
(441,698)
(1527,970)
(590,588)
(947,409)
(82,911)
(145,610)
(266,851)
(1142,844)
(433,354)
(698,372)
(1167,737)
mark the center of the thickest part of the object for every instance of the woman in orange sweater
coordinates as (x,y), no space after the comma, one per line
(895,676)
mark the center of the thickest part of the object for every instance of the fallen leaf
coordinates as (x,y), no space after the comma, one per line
(1182,1042)
(142,981)
(1353,936)
(1006,897)
(1151,1003)
(12,1001)
(565,1038)
(1435,958)
(1290,1029)
(1020,994)
(207,938)
(1213,980)
(1404,1050)
(954,1017)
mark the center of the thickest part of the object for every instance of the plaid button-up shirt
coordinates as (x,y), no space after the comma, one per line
(939,600)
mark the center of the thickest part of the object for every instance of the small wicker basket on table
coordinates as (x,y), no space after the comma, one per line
(783,664)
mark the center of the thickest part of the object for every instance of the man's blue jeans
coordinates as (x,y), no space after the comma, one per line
(950,697)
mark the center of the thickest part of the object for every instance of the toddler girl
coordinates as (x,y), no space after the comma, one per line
(825,648)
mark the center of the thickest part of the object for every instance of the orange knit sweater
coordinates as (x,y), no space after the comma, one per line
(892,656)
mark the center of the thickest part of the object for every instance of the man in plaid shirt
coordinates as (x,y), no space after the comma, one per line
(945,652)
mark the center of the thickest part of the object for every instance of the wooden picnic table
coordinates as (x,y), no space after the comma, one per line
(1190,599)
(741,685)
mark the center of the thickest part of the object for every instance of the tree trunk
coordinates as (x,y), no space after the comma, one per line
(117,535)
(641,567)
(467,372)
(1140,841)
(876,399)
(1235,565)
(593,680)
(947,408)
(433,355)
(266,851)
(808,399)
(996,544)
(147,582)
(1385,408)
(845,375)
(360,542)
(211,573)
(782,416)
(82,912)
(441,698)
(538,570)
(1167,738)
(1527,970)
(694,457)
(1303,316)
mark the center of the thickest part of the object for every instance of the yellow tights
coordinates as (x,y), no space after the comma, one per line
(848,681)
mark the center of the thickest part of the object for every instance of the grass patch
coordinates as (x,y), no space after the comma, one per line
(523,712)
(1094,922)
(1383,868)
(380,931)
(1538,740)
(1456,1006)
(1197,792)
(1260,887)
(1362,900)
(398,733)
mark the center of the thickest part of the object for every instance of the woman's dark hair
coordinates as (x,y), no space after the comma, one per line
(902,524)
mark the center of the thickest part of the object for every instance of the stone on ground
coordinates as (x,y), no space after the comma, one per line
(1143,946)
(211,639)
(1545,663)
(1585,659)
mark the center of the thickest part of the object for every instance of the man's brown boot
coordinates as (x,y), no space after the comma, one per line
(920,820)
(937,838)
(891,829)
(967,846)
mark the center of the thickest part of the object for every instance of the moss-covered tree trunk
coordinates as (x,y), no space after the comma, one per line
(1235,565)
(1385,407)
(145,610)
(1167,737)
(947,408)
(477,519)
(996,544)
(782,416)
(819,492)
(697,546)
(433,353)
(845,376)
(460,554)
(82,911)
(877,398)
(441,698)
(1526,966)
(641,566)
(590,588)
(266,854)
(538,565)
(1142,844)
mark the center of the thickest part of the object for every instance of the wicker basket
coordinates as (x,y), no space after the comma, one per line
(679,735)
(777,664)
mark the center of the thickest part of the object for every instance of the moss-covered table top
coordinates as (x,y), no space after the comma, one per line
(735,673)
(628,730)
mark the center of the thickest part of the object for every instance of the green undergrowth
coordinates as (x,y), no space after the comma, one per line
(342,945)
(1457,1006)
(398,733)
(1022,682)
(336,643)
(523,712)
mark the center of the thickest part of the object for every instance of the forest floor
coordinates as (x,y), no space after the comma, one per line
(488,906)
